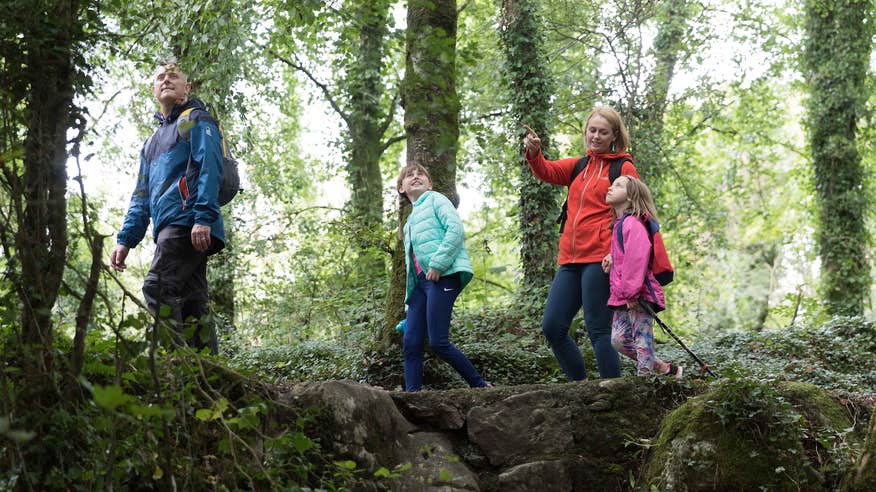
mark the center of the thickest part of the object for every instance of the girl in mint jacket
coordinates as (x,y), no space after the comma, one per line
(438,268)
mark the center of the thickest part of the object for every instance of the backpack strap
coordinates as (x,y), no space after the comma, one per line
(579,166)
(620,234)
(564,210)
(614,169)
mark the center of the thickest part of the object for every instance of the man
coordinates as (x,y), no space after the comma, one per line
(177,188)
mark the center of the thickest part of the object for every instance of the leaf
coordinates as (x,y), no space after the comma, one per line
(157,473)
(205,414)
(382,473)
(346,465)
(148,411)
(164,311)
(444,476)
(110,397)
(302,443)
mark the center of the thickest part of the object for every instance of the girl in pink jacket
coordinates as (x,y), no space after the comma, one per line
(631,280)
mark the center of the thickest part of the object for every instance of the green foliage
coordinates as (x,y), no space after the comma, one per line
(836,355)
(202,427)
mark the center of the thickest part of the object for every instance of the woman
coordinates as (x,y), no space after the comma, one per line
(585,240)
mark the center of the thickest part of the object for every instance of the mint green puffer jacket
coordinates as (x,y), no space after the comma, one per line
(434,231)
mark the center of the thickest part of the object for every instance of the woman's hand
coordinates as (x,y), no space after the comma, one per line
(606,263)
(531,142)
(433,275)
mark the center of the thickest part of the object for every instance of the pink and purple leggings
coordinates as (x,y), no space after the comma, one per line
(632,334)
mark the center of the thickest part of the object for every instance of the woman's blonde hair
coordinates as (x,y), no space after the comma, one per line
(621,136)
(407,170)
(639,198)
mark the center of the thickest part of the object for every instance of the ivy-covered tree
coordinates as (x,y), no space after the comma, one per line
(836,59)
(530,93)
(646,123)
(41,70)
(431,118)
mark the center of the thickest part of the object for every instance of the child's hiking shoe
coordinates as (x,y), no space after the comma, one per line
(487,384)
(675,371)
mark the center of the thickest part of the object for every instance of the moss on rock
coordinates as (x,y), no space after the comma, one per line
(750,434)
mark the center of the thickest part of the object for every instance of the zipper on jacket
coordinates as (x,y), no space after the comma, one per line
(581,202)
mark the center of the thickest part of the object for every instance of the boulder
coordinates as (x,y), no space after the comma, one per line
(749,435)
(361,423)
(521,427)
(538,475)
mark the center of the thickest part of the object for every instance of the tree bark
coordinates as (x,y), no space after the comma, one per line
(41,240)
(530,92)
(836,62)
(431,117)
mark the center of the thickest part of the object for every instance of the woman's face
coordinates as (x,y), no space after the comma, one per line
(599,135)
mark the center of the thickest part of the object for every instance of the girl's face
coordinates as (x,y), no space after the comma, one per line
(414,184)
(599,135)
(617,192)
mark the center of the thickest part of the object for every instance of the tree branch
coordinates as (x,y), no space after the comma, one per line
(325,90)
(391,141)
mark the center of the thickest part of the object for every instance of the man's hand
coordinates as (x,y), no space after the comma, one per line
(433,275)
(201,237)
(606,263)
(117,257)
(531,142)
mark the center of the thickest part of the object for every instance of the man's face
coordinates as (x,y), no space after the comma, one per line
(170,85)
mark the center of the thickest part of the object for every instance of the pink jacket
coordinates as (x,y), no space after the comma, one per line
(631,278)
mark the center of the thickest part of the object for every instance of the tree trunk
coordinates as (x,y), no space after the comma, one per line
(646,122)
(431,116)
(41,241)
(530,92)
(836,62)
(366,128)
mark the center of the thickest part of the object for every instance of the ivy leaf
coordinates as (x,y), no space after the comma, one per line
(301,442)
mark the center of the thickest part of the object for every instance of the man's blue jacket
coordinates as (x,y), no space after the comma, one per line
(165,192)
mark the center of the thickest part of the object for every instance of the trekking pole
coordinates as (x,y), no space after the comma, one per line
(704,368)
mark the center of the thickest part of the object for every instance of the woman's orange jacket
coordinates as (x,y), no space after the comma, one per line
(586,237)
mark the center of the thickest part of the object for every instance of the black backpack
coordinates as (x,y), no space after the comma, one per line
(614,171)
(229,184)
